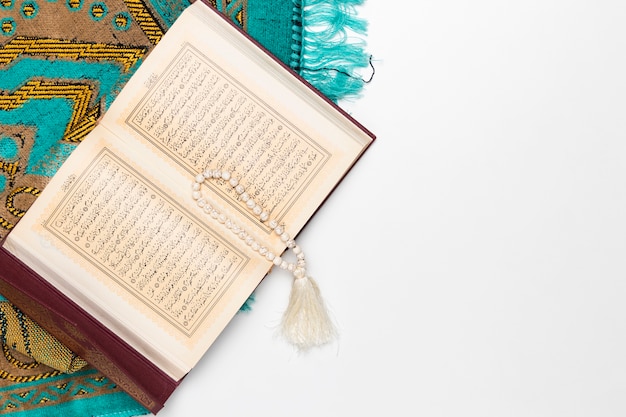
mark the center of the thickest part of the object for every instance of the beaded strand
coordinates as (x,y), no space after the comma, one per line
(298,269)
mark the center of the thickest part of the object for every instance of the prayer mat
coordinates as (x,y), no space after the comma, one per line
(62,63)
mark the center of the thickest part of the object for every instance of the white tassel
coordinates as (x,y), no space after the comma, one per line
(306,322)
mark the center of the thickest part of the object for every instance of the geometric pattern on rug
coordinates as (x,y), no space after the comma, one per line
(62,63)
(42,386)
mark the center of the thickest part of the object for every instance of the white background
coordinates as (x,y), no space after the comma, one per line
(474,257)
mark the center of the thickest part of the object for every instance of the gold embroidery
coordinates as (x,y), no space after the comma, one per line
(80,94)
(10,168)
(16,362)
(28,378)
(10,206)
(146,21)
(84,125)
(59,48)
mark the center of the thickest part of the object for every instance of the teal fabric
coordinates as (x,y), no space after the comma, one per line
(112,405)
(48,153)
(271,23)
(115,404)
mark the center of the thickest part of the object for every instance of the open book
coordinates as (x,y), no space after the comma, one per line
(121,261)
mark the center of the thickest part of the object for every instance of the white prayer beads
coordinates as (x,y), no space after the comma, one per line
(297,268)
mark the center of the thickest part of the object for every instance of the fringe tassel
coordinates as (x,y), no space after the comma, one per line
(329,47)
(306,323)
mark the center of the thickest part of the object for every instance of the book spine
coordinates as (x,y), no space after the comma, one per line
(81,333)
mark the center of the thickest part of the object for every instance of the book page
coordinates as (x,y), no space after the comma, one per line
(114,218)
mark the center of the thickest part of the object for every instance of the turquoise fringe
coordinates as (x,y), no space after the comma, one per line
(329,46)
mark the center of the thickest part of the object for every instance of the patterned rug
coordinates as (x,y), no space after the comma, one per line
(62,62)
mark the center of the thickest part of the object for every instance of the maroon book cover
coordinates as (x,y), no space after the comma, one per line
(59,315)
